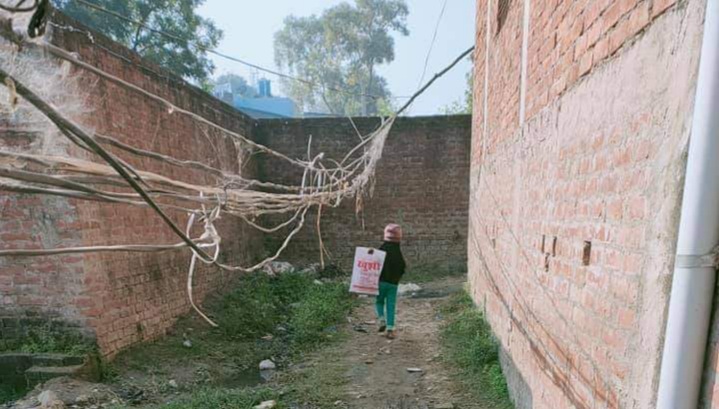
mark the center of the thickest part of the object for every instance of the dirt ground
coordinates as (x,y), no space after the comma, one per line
(379,373)
(364,370)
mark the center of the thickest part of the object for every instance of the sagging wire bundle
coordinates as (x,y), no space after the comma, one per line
(20,6)
(325,182)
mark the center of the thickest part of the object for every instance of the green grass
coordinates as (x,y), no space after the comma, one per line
(223,399)
(431,272)
(43,339)
(9,393)
(318,386)
(471,348)
(299,314)
(46,339)
(263,305)
(314,318)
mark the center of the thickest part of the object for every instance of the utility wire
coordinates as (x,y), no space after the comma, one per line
(18,8)
(223,55)
(431,45)
(436,76)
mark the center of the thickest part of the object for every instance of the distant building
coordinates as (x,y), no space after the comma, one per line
(318,115)
(264,105)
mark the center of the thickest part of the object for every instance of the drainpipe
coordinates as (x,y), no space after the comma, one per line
(691,298)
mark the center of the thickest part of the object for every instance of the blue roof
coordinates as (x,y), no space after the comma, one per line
(278,107)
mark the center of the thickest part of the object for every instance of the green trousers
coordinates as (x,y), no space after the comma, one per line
(387,298)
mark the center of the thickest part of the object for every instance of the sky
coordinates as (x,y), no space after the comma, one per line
(249,27)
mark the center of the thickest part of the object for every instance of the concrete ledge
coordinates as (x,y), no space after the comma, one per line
(23,370)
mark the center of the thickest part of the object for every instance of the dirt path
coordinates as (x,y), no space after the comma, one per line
(376,369)
(362,370)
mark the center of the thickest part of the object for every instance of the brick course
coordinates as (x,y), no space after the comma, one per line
(121,298)
(125,298)
(573,213)
(422,183)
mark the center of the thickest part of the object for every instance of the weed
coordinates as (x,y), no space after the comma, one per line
(251,311)
(224,398)
(46,339)
(220,399)
(471,348)
(332,271)
(262,317)
(9,393)
(323,306)
(317,386)
(431,272)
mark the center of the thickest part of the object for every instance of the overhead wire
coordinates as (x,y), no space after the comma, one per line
(431,44)
(320,185)
(227,56)
(18,8)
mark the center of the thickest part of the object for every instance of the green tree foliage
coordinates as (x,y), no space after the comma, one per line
(464,105)
(175,17)
(341,49)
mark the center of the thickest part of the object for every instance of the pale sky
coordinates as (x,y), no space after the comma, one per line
(250,25)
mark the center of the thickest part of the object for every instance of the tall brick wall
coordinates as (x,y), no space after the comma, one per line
(121,298)
(125,298)
(422,183)
(574,211)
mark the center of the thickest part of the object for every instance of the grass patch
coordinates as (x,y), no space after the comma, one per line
(263,317)
(292,307)
(315,318)
(9,393)
(222,399)
(45,339)
(317,386)
(431,272)
(471,348)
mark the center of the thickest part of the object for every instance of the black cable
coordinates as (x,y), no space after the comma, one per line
(38,22)
(18,7)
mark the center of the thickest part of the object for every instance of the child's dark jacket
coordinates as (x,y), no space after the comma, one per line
(394,264)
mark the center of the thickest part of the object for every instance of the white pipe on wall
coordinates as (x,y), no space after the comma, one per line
(691,298)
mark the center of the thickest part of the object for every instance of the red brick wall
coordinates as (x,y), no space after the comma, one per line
(126,298)
(122,298)
(422,183)
(42,290)
(573,213)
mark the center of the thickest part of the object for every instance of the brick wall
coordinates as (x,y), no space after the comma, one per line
(125,298)
(422,183)
(121,298)
(574,211)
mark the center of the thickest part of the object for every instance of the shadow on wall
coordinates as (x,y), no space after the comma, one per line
(521,394)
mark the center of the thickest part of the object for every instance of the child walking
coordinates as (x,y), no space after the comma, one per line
(392,272)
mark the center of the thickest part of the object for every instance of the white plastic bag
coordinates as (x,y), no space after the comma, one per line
(366,270)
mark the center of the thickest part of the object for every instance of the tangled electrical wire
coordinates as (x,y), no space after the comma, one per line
(20,7)
(325,182)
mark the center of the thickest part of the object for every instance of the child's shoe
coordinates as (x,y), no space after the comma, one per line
(391,334)
(382,326)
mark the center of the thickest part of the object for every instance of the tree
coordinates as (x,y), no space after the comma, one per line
(238,83)
(184,55)
(464,105)
(341,49)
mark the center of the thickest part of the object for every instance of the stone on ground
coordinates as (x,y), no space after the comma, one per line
(267,365)
(266,405)
(408,288)
(50,400)
(278,268)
